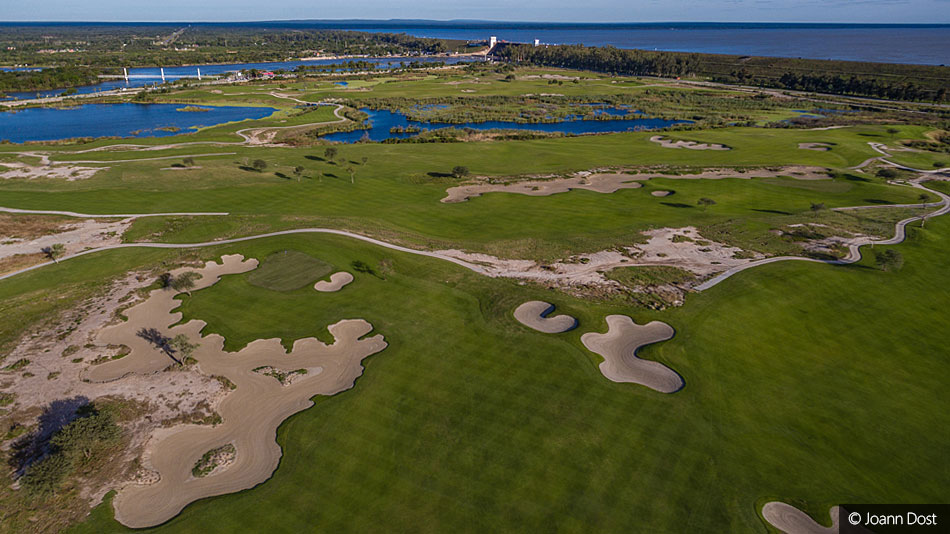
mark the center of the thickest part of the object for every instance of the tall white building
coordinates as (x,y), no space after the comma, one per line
(492,41)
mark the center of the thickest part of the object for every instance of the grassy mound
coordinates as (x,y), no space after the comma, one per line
(288,270)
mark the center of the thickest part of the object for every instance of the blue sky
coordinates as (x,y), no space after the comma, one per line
(522,10)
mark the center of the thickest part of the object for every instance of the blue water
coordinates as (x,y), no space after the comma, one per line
(381,122)
(121,120)
(176,73)
(926,45)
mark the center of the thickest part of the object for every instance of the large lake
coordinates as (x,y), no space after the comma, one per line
(382,121)
(928,45)
(120,120)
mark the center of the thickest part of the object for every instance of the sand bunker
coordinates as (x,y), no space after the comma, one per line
(251,415)
(619,349)
(610,182)
(692,145)
(156,312)
(818,147)
(336,283)
(791,520)
(534,314)
(599,183)
(661,193)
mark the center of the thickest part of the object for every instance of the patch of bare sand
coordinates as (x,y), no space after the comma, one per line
(156,313)
(691,145)
(619,348)
(60,171)
(472,81)
(661,193)
(536,314)
(791,520)
(818,147)
(675,247)
(75,236)
(59,351)
(600,183)
(610,182)
(251,415)
(336,283)
(561,77)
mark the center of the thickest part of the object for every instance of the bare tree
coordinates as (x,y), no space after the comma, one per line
(706,202)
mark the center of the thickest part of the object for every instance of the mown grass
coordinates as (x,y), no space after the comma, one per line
(808,383)
(287,270)
(394,194)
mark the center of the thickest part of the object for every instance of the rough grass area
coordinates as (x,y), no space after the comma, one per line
(31,226)
(212,459)
(288,270)
(634,277)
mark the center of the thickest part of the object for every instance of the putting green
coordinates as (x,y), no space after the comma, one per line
(288,270)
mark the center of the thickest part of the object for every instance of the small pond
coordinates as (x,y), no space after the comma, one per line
(383,120)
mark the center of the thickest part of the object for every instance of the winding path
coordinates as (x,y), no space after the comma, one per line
(467,265)
(854,250)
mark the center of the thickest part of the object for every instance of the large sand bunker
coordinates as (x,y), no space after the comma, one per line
(251,415)
(535,314)
(791,520)
(692,145)
(156,313)
(818,147)
(599,183)
(619,349)
(611,182)
(336,283)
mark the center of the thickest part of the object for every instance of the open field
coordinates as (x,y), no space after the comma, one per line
(800,382)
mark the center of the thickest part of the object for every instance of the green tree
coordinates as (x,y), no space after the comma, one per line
(259,165)
(352,172)
(185,281)
(330,153)
(188,162)
(460,171)
(53,252)
(816,207)
(165,280)
(889,260)
(184,348)
(298,171)
(706,202)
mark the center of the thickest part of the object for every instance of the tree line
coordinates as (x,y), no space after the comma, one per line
(54,78)
(879,80)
